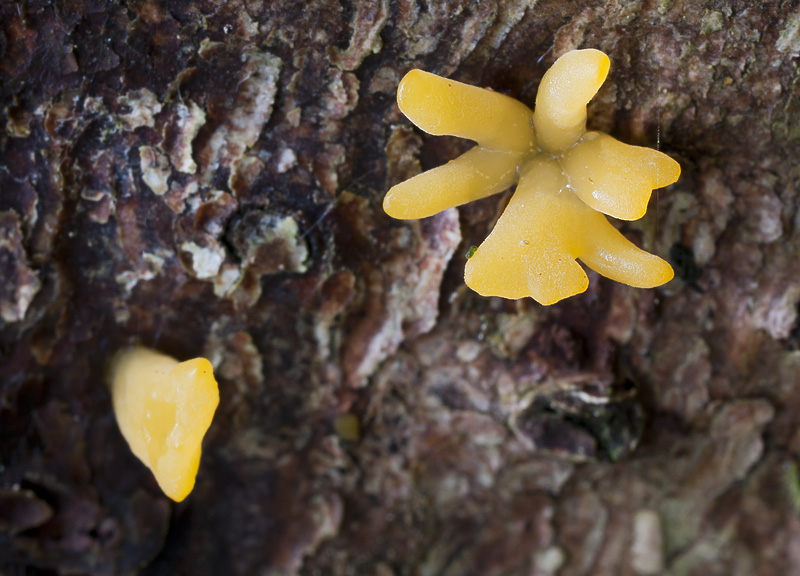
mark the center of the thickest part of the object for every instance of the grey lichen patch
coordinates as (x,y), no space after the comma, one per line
(549,561)
(789,39)
(18,283)
(286,160)
(370,19)
(265,243)
(206,262)
(142,106)
(150,266)
(268,243)
(665,6)
(342,94)
(647,548)
(244,173)
(774,307)
(155,169)
(761,208)
(713,21)
(179,193)
(285,234)
(180,134)
(226,281)
(256,97)
(628,11)
(242,124)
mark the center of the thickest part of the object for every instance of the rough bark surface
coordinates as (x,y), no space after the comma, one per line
(206,178)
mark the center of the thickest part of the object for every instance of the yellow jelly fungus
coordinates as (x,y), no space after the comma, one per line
(566,177)
(164,408)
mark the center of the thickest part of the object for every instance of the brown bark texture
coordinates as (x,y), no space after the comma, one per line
(205,178)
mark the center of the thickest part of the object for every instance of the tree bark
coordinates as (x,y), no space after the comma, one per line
(206,178)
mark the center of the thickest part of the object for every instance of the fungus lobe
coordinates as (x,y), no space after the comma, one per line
(163,409)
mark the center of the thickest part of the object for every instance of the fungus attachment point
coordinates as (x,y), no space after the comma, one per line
(567,179)
(163,409)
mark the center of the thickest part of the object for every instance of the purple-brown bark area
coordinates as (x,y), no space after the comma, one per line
(206,177)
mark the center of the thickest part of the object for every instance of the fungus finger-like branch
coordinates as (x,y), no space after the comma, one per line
(614,256)
(441,106)
(531,251)
(615,178)
(567,180)
(475,174)
(566,88)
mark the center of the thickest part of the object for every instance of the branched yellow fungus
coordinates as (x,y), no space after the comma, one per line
(566,178)
(164,408)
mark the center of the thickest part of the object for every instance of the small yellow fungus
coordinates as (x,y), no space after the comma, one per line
(567,178)
(164,408)
(347,426)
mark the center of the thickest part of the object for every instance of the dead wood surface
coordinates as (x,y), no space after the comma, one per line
(206,178)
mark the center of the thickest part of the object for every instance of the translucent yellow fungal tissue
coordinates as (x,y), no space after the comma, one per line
(164,408)
(567,178)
